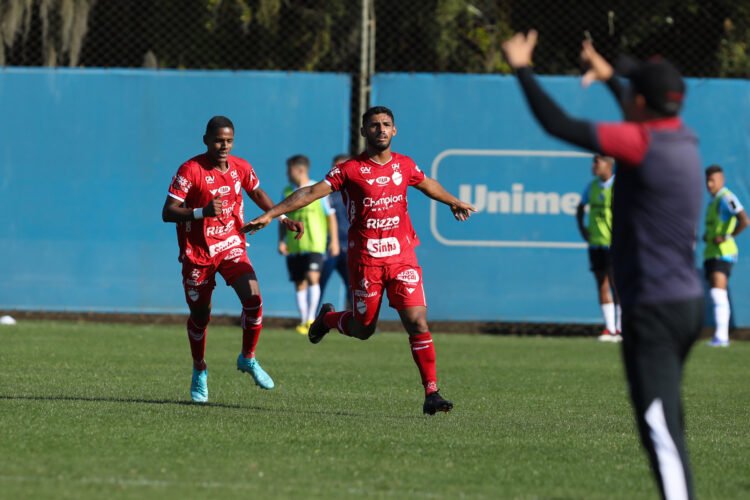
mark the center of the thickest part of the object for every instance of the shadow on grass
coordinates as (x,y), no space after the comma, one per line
(177,402)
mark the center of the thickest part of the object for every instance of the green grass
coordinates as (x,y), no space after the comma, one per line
(100,411)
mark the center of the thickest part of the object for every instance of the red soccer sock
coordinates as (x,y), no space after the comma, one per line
(423,352)
(339,321)
(197,338)
(252,323)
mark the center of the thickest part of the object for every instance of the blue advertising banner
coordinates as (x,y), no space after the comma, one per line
(521,258)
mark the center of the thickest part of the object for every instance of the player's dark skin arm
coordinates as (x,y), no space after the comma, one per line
(433,189)
(265,202)
(174,211)
(579,220)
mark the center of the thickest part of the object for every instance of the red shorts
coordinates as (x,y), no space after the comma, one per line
(402,283)
(200,281)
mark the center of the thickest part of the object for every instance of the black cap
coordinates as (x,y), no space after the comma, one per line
(657,80)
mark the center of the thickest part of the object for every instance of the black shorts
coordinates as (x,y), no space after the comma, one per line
(600,259)
(300,264)
(717,266)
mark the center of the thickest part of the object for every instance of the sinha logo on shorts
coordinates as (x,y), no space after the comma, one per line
(408,276)
(219,247)
(385,247)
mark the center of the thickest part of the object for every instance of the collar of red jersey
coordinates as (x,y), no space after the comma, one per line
(669,123)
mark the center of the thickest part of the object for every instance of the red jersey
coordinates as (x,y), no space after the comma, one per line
(380,231)
(195,185)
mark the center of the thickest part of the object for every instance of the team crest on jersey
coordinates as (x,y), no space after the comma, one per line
(397,178)
(237,187)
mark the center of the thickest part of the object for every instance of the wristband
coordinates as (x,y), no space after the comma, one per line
(197,213)
(283,217)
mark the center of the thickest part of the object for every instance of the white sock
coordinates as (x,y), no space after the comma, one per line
(618,309)
(314,301)
(608,312)
(302,304)
(721,313)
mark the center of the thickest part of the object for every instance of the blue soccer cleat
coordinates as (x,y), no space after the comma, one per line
(251,366)
(715,342)
(199,386)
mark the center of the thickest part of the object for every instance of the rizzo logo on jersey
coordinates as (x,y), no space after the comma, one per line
(220,230)
(387,223)
(385,247)
(219,247)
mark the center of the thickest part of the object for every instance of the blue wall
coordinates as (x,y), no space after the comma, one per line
(87,156)
(472,131)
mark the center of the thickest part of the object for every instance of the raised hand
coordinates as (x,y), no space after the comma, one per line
(519,48)
(598,67)
(462,211)
(213,209)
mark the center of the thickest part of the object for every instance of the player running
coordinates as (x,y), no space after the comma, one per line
(725,219)
(656,209)
(205,200)
(598,234)
(381,243)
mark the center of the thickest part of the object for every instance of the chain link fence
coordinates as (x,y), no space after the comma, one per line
(704,38)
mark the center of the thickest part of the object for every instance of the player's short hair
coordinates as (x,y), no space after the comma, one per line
(607,159)
(376,110)
(298,160)
(340,158)
(713,169)
(218,122)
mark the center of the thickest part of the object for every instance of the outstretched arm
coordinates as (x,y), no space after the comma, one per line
(433,189)
(554,120)
(300,198)
(264,202)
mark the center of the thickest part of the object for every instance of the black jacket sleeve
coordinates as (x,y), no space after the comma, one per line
(617,89)
(553,119)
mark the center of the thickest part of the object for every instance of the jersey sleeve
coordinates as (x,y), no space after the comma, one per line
(250,181)
(416,175)
(327,207)
(336,176)
(182,182)
(625,142)
(729,206)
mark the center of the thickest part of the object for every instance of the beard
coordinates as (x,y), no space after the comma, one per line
(378,146)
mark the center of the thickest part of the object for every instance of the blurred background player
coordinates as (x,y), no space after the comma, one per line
(338,262)
(305,255)
(598,233)
(656,209)
(382,244)
(725,219)
(205,201)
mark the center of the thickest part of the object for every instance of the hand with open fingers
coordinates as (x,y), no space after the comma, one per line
(598,69)
(256,224)
(294,226)
(213,209)
(462,211)
(519,48)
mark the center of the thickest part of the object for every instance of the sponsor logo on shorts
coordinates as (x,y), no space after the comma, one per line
(220,230)
(364,283)
(384,247)
(193,294)
(386,223)
(410,290)
(222,190)
(314,266)
(221,246)
(383,203)
(408,276)
(361,307)
(364,293)
(397,178)
(235,254)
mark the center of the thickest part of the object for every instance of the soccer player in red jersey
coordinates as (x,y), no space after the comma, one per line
(205,201)
(381,243)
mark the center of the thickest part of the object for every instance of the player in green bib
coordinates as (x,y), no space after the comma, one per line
(598,233)
(305,256)
(725,219)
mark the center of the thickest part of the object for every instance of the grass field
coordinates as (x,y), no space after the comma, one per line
(101,411)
